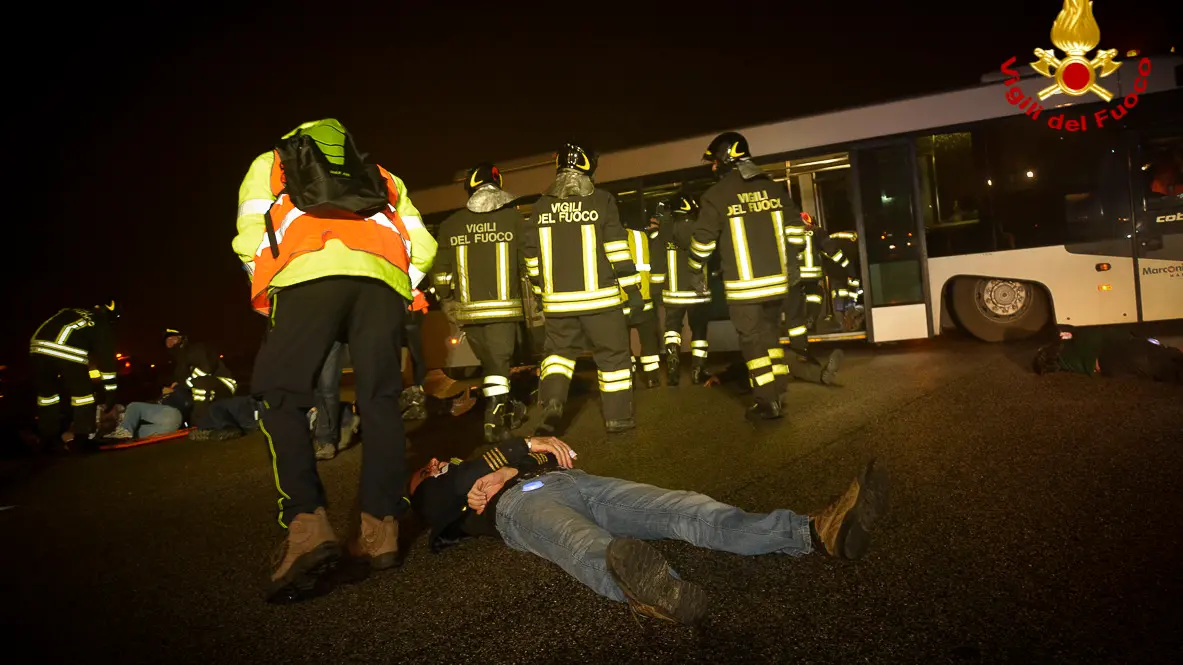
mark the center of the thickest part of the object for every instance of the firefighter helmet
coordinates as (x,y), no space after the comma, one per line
(572,156)
(481,174)
(683,205)
(171,332)
(727,148)
(110,308)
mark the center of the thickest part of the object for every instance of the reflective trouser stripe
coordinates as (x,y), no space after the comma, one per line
(760,371)
(699,347)
(650,363)
(797,331)
(673,337)
(615,381)
(495,385)
(82,401)
(49,401)
(813,298)
(777,356)
(557,365)
(274,468)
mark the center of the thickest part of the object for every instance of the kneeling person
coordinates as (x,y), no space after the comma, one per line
(526,492)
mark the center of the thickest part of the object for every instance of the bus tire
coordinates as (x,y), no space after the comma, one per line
(1000,310)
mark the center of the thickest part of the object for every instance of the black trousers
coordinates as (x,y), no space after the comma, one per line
(607,335)
(802,307)
(649,334)
(414,343)
(757,324)
(305,321)
(60,383)
(1143,359)
(699,318)
(494,344)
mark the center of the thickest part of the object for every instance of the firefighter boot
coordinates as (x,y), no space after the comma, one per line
(843,529)
(762,410)
(652,379)
(516,415)
(552,414)
(672,364)
(495,412)
(376,541)
(415,406)
(699,375)
(308,554)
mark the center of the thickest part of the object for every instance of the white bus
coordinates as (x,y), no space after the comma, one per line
(968,211)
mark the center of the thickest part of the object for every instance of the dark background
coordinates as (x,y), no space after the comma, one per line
(134,126)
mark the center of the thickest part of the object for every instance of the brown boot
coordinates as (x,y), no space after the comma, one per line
(376,540)
(844,528)
(649,585)
(307,555)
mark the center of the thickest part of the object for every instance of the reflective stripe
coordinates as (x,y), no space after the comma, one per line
(672,337)
(765,379)
(739,241)
(778,226)
(844,235)
(546,244)
(757,363)
(254,207)
(94,375)
(502,270)
(776,353)
(230,383)
(487,314)
(694,265)
(644,267)
(808,253)
(60,348)
(846,263)
(798,331)
(695,299)
(702,249)
(557,365)
(462,271)
(495,385)
(412,222)
(560,308)
(814,298)
(58,354)
(108,376)
(672,257)
(650,363)
(615,381)
(837,256)
(48,401)
(82,401)
(630,280)
(442,278)
(110,387)
(574,296)
(657,279)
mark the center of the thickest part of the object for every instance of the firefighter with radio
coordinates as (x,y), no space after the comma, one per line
(647,324)
(803,303)
(477,276)
(683,304)
(61,353)
(743,215)
(578,259)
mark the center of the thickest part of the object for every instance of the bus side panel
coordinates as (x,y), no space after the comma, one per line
(1080,294)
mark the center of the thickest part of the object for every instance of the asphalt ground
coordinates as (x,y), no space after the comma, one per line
(1032,520)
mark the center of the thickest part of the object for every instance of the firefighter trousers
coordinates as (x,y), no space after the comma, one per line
(305,321)
(649,334)
(607,334)
(756,324)
(699,319)
(802,307)
(60,382)
(493,344)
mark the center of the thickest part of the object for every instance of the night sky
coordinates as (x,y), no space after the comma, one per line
(134,130)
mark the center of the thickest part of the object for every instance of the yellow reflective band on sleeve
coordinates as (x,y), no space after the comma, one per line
(702,249)
(630,280)
(837,256)
(615,246)
(844,235)
(658,278)
(230,383)
(110,387)
(82,401)
(694,265)
(49,401)
(442,278)
(845,263)
(95,375)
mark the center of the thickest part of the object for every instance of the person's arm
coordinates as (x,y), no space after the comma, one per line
(529,250)
(704,234)
(658,261)
(423,246)
(254,200)
(616,248)
(442,270)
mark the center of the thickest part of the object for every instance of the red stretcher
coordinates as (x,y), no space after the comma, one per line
(148,441)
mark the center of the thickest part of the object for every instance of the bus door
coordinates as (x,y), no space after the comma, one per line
(891,241)
(1157,191)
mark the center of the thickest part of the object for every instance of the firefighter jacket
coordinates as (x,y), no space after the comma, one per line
(577,254)
(312,247)
(745,219)
(809,247)
(201,370)
(640,248)
(79,336)
(671,269)
(479,264)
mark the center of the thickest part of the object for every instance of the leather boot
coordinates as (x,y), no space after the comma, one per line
(308,554)
(376,540)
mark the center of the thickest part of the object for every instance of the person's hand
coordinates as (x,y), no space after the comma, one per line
(549,444)
(169,388)
(487,486)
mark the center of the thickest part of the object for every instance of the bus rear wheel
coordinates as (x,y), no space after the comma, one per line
(1000,310)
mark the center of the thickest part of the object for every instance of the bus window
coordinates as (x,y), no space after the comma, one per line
(953,184)
(893,251)
(1161,172)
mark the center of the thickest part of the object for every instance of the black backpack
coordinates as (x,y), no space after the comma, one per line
(318,186)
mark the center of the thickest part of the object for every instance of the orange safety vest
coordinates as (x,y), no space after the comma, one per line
(298,232)
(419,304)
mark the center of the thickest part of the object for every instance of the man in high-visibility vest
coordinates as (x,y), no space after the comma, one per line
(333,246)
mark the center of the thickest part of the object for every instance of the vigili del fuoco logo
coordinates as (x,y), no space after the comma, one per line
(1075,32)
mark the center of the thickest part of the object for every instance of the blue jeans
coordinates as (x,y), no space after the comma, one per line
(570,520)
(240,412)
(144,419)
(328,397)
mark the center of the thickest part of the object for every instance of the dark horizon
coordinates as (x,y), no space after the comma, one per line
(141,128)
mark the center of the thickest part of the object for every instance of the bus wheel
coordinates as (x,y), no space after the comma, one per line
(1000,310)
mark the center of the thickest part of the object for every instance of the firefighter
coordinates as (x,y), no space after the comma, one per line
(647,324)
(199,372)
(333,245)
(478,280)
(846,289)
(744,214)
(809,260)
(61,352)
(680,300)
(578,260)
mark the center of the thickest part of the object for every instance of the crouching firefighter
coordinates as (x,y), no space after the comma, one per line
(61,353)
(646,323)
(577,257)
(803,303)
(682,303)
(334,245)
(478,280)
(199,371)
(744,215)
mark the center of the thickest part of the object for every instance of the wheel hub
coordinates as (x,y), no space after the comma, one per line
(1002,300)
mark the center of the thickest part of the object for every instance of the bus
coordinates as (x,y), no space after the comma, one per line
(969,212)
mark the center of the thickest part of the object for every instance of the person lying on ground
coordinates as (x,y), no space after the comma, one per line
(141,420)
(1110,353)
(527,493)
